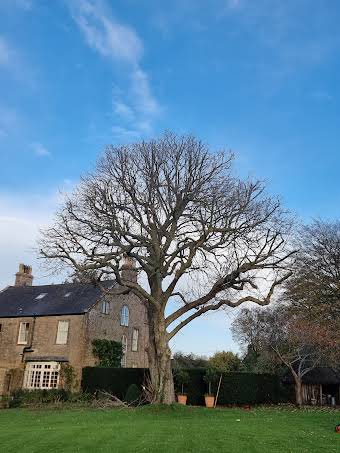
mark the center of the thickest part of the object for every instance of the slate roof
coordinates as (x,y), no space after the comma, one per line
(65,299)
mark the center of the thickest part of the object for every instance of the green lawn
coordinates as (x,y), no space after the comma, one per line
(173,429)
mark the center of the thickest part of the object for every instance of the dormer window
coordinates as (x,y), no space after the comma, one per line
(67,294)
(41,296)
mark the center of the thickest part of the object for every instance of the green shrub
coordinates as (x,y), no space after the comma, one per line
(108,352)
(112,380)
(68,377)
(133,394)
(37,397)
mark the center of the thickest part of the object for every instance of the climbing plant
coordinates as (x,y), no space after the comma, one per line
(108,352)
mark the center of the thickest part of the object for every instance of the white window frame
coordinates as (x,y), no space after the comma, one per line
(135,338)
(62,332)
(105,307)
(124,316)
(124,350)
(41,375)
(23,334)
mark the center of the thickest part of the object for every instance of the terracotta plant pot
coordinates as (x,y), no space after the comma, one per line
(209,400)
(182,399)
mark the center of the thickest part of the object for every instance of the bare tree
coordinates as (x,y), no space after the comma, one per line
(284,336)
(176,209)
(315,285)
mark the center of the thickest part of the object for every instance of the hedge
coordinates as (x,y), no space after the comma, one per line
(236,388)
(112,380)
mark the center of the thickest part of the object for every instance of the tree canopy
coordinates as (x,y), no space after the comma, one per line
(177,209)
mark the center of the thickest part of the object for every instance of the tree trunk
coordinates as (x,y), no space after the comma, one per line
(159,355)
(298,391)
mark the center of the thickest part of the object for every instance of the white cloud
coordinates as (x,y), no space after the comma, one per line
(21,217)
(119,43)
(145,102)
(123,110)
(40,150)
(110,38)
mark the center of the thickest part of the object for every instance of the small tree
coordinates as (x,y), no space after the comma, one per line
(225,361)
(182,377)
(210,377)
(108,352)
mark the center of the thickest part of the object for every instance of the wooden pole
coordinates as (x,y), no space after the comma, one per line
(218,391)
(320,394)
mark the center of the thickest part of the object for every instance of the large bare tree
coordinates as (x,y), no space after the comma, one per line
(174,207)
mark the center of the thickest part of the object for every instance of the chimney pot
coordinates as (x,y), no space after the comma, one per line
(24,277)
(129,271)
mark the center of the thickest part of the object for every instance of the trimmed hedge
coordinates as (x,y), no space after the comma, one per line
(236,388)
(112,380)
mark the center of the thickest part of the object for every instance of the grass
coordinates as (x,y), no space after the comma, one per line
(171,429)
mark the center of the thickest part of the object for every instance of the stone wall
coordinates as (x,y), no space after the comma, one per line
(107,326)
(42,339)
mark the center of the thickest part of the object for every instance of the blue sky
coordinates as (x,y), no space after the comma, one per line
(259,77)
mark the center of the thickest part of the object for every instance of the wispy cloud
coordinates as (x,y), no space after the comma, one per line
(9,121)
(40,150)
(121,44)
(14,62)
(19,230)
(5,52)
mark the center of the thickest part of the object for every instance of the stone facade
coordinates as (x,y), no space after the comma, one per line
(42,346)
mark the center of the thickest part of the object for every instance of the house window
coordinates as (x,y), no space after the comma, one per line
(23,333)
(41,375)
(135,335)
(105,307)
(124,350)
(124,316)
(0,328)
(62,332)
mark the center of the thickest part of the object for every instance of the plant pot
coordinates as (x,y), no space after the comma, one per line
(182,399)
(209,400)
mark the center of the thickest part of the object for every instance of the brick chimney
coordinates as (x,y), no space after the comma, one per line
(129,271)
(24,277)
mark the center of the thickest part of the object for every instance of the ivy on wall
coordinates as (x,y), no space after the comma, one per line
(108,352)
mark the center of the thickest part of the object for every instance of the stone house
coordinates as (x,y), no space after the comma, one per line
(42,327)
